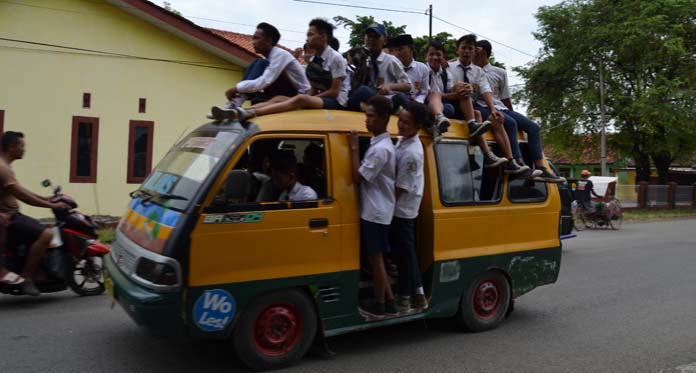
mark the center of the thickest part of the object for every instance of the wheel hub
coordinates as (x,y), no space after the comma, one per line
(277,330)
(487,299)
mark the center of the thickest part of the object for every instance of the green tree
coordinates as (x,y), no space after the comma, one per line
(168,7)
(357,28)
(647,51)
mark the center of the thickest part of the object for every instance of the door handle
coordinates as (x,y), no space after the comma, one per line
(318,223)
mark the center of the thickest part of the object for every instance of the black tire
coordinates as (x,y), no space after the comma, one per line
(485,303)
(290,315)
(86,276)
(617,216)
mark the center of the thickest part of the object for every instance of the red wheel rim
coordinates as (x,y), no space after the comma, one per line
(487,299)
(277,330)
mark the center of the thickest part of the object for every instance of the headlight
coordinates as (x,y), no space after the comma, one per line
(156,273)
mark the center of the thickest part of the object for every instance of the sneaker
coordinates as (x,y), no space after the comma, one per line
(28,287)
(442,123)
(404,304)
(478,129)
(372,310)
(492,161)
(390,308)
(245,114)
(547,177)
(528,174)
(513,168)
(420,303)
(223,112)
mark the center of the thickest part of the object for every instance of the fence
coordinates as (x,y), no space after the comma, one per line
(649,196)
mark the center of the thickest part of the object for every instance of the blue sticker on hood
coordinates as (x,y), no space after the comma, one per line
(214,310)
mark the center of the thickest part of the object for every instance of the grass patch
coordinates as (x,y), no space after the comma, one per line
(106,235)
(644,215)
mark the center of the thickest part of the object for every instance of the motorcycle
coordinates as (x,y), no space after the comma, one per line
(73,259)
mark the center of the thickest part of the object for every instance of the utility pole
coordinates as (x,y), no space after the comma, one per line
(430,14)
(602,119)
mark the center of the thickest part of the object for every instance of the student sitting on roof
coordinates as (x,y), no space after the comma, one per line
(327,74)
(278,74)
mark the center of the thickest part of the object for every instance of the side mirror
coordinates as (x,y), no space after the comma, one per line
(237,186)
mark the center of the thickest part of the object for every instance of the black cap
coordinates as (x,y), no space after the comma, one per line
(403,39)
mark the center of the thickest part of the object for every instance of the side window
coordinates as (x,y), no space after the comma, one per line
(462,178)
(276,170)
(526,190)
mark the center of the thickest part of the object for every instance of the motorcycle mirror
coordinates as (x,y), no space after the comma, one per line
(46,183)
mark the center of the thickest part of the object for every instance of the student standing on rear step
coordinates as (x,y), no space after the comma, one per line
(376,175)
(409,193)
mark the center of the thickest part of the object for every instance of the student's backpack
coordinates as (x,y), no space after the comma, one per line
(361,72)
(319,78)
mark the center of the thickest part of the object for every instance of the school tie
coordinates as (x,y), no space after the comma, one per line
(318,60)
(466,68)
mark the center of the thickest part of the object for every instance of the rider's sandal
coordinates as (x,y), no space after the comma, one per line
(12,278)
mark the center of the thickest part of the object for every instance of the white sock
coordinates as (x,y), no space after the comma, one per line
(420,291)
(471,121)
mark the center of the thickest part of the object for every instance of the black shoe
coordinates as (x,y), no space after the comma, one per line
(372,310)
(548,177)
(390,308)
(442,124)
(29,288)
(513,168)
(478,129)
(221,113)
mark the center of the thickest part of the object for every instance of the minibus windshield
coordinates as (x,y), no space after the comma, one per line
(177,177)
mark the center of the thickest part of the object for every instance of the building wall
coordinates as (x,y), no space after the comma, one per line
(43,89)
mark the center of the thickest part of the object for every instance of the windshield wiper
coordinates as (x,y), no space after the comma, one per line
(140,193)
(173,196)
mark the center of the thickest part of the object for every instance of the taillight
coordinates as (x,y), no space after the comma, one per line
(156,273)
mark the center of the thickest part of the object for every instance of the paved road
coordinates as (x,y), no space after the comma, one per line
(625,302)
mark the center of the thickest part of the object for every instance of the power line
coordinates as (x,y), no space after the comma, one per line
(421,13)
(93,52)
(362,7)
(474,32)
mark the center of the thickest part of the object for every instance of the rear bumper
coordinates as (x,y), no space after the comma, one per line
(158,312)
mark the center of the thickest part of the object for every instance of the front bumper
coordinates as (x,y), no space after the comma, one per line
(158,312)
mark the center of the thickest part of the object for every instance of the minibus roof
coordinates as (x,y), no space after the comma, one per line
(343,121)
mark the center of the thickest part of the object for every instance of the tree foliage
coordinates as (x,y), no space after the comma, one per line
(359,26)
(647,51)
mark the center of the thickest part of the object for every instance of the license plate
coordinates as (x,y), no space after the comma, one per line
(109,285)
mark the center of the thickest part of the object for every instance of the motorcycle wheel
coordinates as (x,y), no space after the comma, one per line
(86,277)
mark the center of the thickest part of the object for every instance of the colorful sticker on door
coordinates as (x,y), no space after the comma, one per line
(214,310)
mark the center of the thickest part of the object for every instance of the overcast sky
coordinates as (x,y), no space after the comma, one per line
(507,22)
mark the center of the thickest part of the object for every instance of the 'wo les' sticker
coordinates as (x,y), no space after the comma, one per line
(214,310)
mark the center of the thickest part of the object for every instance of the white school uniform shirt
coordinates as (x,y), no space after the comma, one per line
(497,79)
(299,192)
(338,66)
(389,69)
(476,75)
(280,61)
(418,74)
(435,80)
(378,170)
(409,177)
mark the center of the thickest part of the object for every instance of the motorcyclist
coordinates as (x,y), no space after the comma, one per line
(23,229)
(584,192)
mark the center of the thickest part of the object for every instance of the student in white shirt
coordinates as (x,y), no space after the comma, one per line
(469,81)
(385,75)
(376,175)
(284,178)
(279,74)
(327,74)
(497,78)
(409,193)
